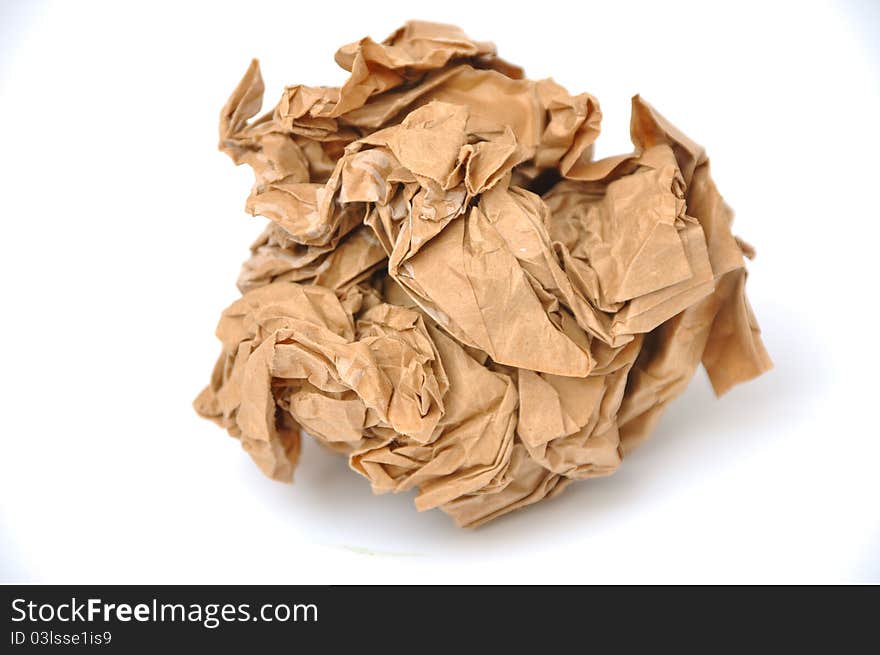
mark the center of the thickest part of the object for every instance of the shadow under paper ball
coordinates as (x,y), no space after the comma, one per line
(698,436)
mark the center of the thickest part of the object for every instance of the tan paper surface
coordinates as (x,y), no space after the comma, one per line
(453,293)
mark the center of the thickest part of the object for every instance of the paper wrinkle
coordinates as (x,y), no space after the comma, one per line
(452,292)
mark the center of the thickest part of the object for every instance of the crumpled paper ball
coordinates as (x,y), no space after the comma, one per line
(453,293)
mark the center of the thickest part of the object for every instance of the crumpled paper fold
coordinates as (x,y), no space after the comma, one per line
(452,292)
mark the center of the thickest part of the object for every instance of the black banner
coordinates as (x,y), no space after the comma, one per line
(386,619)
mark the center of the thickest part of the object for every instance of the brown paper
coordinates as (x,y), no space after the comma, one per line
(453,293)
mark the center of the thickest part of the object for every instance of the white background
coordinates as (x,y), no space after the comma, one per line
(123,229)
